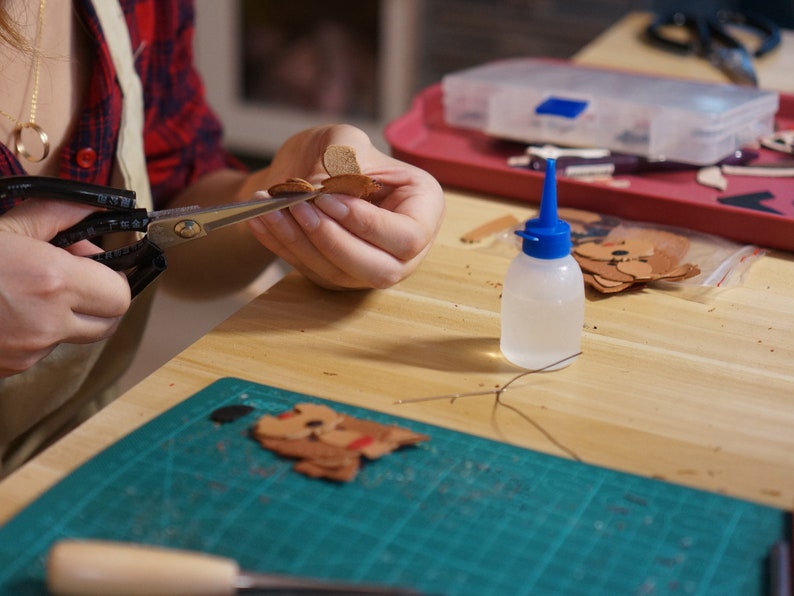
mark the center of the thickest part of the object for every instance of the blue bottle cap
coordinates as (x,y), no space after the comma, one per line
(547,236)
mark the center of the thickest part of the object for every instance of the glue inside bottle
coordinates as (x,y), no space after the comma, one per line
(543,296)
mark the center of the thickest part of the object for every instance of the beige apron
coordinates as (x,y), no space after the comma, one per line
(74,381)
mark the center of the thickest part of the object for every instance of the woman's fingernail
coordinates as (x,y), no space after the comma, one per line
(274,218)
(257,225)
(305,215)
(332,206)
(274,223)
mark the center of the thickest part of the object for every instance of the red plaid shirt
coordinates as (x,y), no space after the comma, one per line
(182,136)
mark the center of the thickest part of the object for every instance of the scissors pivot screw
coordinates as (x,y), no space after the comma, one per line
(187,228)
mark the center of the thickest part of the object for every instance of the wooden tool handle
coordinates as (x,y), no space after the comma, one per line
(93,567)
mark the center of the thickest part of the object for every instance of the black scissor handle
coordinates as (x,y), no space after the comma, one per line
(706,29)
(45,187)
(141,262)
(703,31)
(766,30)
(697,41)
(102,223)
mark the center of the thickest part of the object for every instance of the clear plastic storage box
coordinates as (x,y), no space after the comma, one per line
(543,101)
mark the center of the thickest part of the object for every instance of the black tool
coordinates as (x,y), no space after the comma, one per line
(143,260)
(711,38)
(80,567)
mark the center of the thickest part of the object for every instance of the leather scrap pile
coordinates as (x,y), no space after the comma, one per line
(630,258)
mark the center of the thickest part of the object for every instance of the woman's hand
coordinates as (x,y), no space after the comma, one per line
(49,295)
(346,242)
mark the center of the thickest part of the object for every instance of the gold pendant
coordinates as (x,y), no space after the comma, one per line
(20,147)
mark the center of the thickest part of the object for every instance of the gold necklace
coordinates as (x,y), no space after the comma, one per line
(19,145)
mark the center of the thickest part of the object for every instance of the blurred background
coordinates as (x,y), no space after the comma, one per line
(273,67)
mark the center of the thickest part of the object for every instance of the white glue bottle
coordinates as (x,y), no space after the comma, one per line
(543,294)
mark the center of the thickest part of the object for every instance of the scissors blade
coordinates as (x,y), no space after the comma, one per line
(736,63)
(176,226)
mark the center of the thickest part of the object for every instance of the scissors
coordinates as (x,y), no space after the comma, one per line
(710,37)
(143,260)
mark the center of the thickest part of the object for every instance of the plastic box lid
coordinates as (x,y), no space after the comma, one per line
(540,100)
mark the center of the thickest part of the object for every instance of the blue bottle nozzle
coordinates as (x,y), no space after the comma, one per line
(548,201)
(547,236)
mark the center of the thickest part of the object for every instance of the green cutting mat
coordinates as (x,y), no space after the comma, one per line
(455,515)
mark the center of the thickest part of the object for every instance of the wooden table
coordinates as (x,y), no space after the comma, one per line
(694,388)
